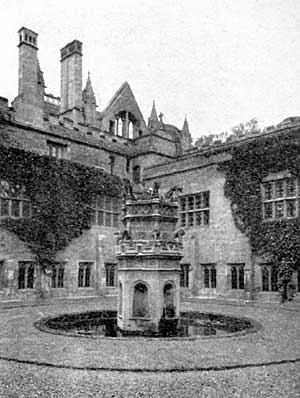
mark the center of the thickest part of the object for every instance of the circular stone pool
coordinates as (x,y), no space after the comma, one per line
(104,324)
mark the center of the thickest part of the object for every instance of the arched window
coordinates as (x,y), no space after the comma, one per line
(140,301)
(130,130)
(169,300)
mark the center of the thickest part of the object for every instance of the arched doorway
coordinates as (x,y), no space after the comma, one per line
(140,301)
(169,300)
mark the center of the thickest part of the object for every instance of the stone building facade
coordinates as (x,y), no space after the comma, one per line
(217,261)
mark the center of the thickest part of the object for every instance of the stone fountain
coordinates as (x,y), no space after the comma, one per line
(149,252)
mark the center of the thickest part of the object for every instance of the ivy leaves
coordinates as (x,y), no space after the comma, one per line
(251,162)
(60,193)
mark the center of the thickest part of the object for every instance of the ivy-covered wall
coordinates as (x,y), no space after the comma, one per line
(60,192)
(251,162)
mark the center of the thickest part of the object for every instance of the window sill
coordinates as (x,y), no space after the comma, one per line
(86,287)
(270,220)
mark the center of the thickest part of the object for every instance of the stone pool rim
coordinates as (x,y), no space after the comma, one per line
(41,325)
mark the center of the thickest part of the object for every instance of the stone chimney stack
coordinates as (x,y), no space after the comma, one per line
(29,104)
(71,80)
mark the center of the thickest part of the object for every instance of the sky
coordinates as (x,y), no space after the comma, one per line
(220,62)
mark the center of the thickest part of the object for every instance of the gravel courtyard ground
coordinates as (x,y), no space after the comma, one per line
(262,364)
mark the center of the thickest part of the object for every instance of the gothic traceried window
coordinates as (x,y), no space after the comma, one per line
(194,210)
(280,199)
(14,203)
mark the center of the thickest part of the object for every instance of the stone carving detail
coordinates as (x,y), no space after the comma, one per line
(156,234)
(173,193)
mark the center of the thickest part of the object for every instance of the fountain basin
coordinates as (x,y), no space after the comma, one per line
(192,324)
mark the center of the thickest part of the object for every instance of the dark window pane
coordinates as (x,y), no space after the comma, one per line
(183,204)
(87,276)
(110,274)
(93,217)
(206,217)
(4,207)
(191,219)
(279,189)
(268,210)
(268,188)
(26,209)
(54,277)
(100,202)
(21,276)
(115,220)
(80,276)
(15,208)
(108,203)
(206,277)
(30,276)
(205,199)
(61,271)
(234,284)
(116,205)
(291,187)
(198,202)
(265,279)
(108,219)
(274,279)
(183,219)
(199,218)
(100,218)
(279,209)
(184,275)
(191,202)
(213,277)
(241,278)
(291,208)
